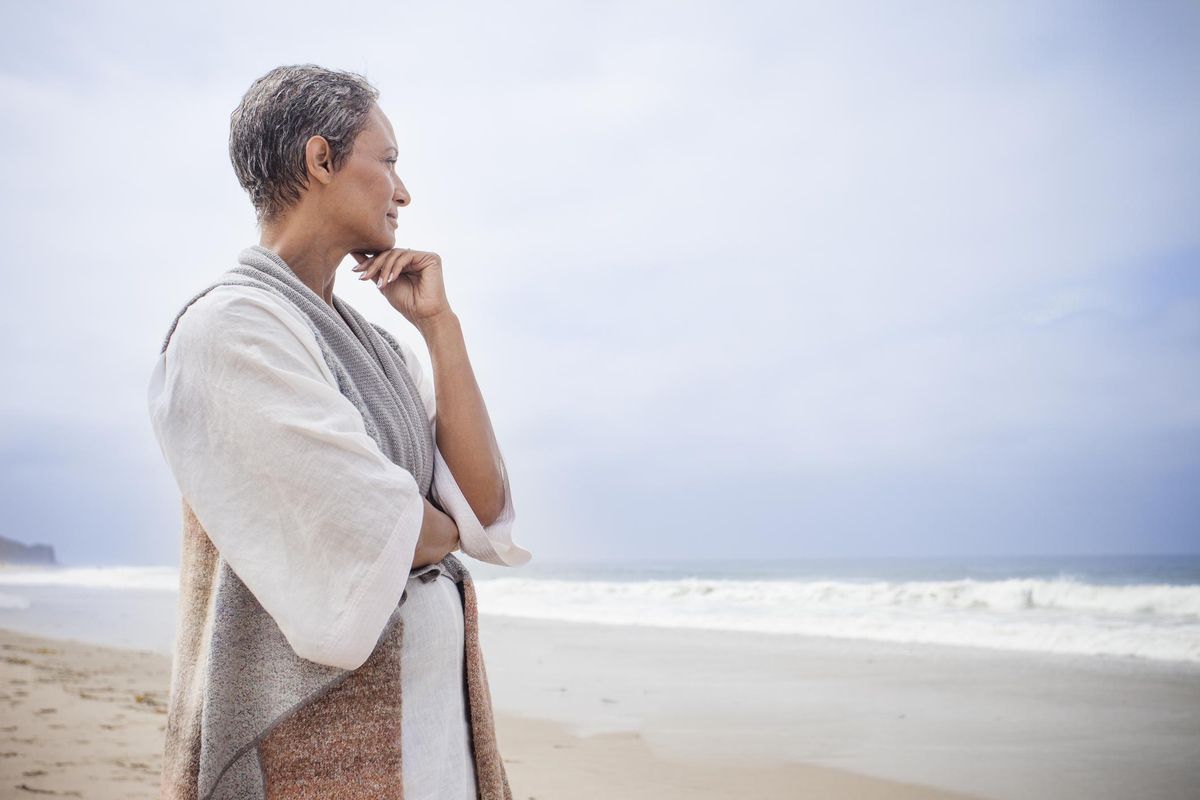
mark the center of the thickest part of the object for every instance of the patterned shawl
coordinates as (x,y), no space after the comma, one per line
(248,718)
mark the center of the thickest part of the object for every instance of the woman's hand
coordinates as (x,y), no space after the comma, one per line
(411,280)
(439,536)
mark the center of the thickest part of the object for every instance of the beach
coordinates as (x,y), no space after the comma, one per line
(600,711)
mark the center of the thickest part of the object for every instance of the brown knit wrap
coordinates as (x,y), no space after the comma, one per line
(247,717)
(347,742)
(489,767)
(343,743)
(193,628)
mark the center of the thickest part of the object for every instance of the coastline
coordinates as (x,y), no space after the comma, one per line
(85,720)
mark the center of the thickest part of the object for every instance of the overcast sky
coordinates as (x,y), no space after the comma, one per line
(737,279)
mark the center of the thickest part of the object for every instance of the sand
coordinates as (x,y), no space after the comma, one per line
(1007,725)
(625,712)
(81,720)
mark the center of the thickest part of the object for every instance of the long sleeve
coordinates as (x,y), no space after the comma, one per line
(493,543)
(276,463)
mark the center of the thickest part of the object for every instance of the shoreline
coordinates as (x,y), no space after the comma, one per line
(86,720)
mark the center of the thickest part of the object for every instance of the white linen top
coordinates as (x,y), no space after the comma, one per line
(316,521)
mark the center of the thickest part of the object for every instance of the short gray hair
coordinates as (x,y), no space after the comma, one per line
(278,114)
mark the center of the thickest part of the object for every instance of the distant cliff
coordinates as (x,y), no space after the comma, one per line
(14,552)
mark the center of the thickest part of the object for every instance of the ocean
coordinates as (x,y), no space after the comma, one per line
(1128,607)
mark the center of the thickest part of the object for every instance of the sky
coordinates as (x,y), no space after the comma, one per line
(737,280)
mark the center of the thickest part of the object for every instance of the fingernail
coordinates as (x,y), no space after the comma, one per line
(379,282)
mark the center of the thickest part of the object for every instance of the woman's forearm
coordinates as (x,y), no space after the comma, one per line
(464,429)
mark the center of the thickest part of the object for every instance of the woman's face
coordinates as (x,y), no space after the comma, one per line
(367,191)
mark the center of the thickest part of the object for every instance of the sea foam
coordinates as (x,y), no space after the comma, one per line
(1153,621)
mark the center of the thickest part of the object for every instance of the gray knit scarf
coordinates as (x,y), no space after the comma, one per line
(257,680)
(364,357)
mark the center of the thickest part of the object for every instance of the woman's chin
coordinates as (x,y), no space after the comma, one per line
(378,243)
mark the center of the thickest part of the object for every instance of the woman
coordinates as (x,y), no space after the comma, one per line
(327,641)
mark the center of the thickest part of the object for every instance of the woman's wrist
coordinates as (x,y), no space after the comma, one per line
(435,325)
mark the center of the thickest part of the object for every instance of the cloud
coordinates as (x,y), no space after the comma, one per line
(792,240)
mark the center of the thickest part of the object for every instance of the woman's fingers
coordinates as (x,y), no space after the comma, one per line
(383,268)
(393,265)
(371,266)
(364,263)
(387,269)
